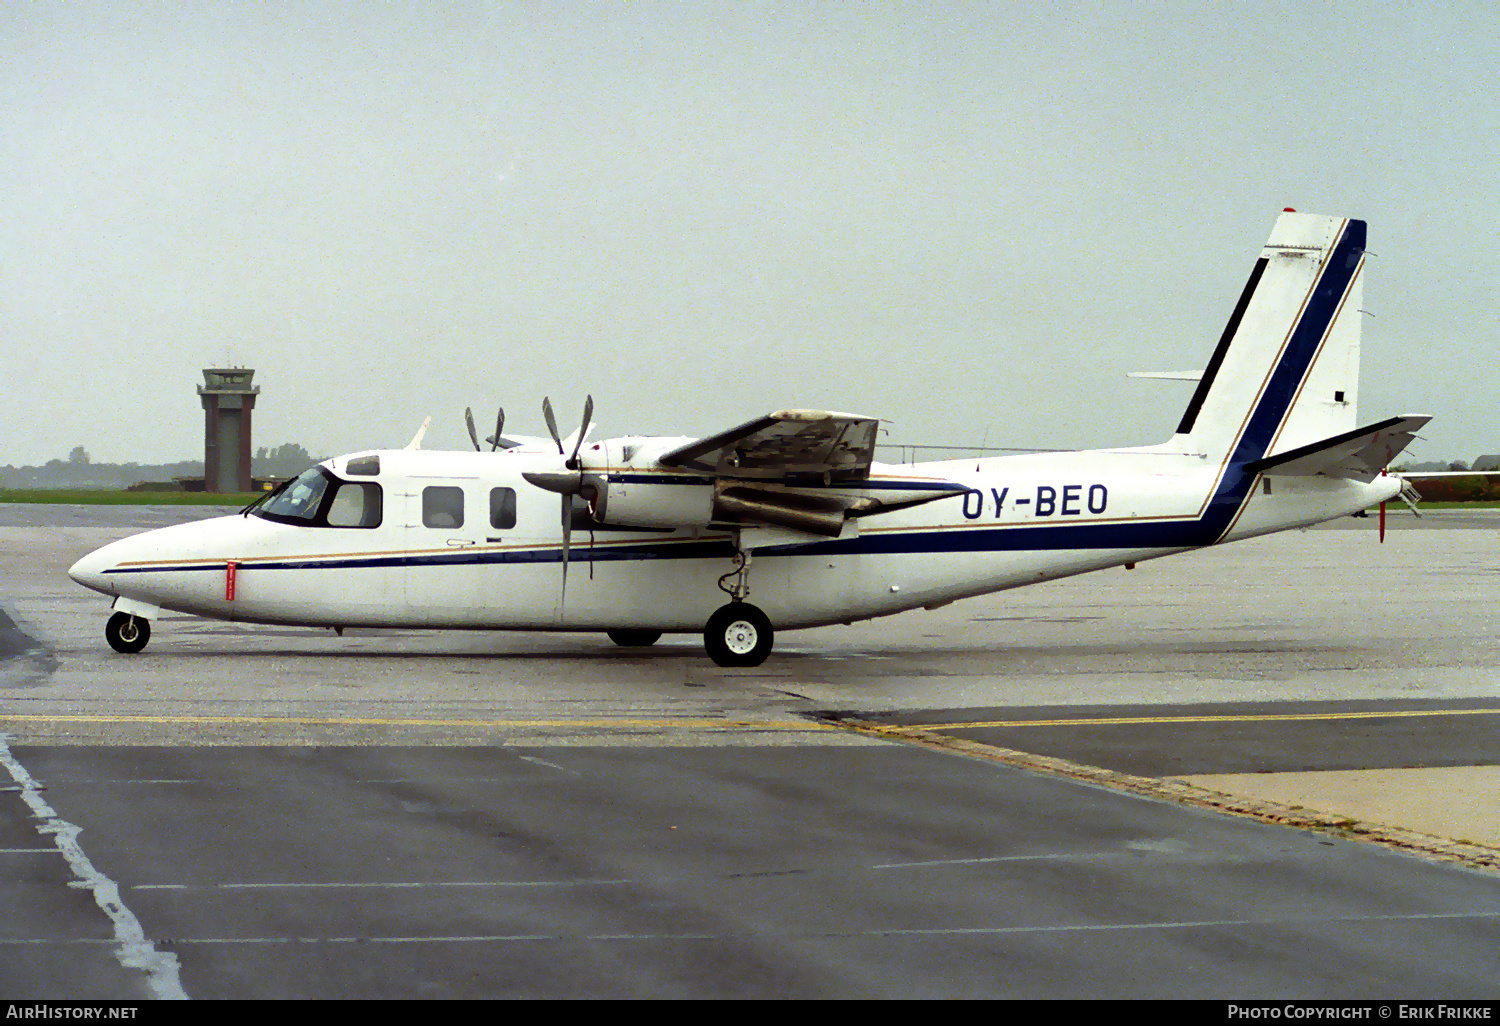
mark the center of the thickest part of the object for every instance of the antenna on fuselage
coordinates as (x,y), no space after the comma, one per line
(416,441)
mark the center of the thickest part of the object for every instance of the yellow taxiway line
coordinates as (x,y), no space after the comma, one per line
(681,722)
(1121,721)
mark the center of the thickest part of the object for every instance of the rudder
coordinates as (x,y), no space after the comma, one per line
(1286,370)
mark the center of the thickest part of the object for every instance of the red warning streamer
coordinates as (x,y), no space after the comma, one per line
(229,569)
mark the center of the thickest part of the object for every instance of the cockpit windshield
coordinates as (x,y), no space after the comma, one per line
(316,498)
(299,500)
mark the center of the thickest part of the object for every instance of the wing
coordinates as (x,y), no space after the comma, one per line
(1361,454)
(804,471)
(790,446)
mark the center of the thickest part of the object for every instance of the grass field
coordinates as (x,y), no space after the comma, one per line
(105,497)
(1450,505)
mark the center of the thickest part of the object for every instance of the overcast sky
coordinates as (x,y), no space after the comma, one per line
(968,220)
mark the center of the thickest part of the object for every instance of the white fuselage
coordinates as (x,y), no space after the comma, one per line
(1021,519)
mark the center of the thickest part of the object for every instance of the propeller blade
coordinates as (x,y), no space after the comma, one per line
(567,484)
(567,533)
(551,423)
(499,426)
(583,429)
(561,482)
(473,435)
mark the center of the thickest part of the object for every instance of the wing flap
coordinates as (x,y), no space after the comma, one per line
(805,471)
(1362,454)
(785,446)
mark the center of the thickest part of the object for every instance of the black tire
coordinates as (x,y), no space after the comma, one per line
(637,637)
(127,633)
(738,635)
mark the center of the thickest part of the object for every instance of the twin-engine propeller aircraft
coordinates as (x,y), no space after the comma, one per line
(638,536)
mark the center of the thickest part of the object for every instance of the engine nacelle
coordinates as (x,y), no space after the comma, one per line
(636,491)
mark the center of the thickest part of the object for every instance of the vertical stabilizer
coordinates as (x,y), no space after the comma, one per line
(1286,371)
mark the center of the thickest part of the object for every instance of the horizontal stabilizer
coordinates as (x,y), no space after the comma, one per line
(1362,454)
(518,441)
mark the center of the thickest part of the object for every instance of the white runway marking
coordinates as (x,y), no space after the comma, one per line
(1190,924)
(132,949)
(379,884)
(550,765)
(975,862)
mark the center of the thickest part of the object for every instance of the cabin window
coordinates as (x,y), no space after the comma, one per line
(363,466)
(503,508)
(355,504)
(442,506)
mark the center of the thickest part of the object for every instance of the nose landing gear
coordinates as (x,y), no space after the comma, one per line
(127,633)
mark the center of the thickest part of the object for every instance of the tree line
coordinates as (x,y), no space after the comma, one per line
(80,471)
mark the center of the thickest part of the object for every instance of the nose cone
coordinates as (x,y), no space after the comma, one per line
(146,567)
(89,571)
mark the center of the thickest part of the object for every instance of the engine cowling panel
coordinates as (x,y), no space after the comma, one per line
(634,490)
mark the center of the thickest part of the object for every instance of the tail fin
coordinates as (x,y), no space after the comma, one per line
(1286,371)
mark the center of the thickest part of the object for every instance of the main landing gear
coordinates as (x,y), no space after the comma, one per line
(738,634)
(127,633)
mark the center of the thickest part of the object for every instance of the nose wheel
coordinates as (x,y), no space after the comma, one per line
(126,633)
(739,634)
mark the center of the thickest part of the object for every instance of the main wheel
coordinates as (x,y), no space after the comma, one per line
(637,637)
(127,633)
(738,635)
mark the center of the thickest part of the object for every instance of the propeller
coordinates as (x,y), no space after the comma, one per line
(565,484)
(474,435)
(583,429)
(499,426)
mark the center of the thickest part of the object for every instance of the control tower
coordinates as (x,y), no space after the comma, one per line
(228,399)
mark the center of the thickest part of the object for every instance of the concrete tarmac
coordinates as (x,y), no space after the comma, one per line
(483,814)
